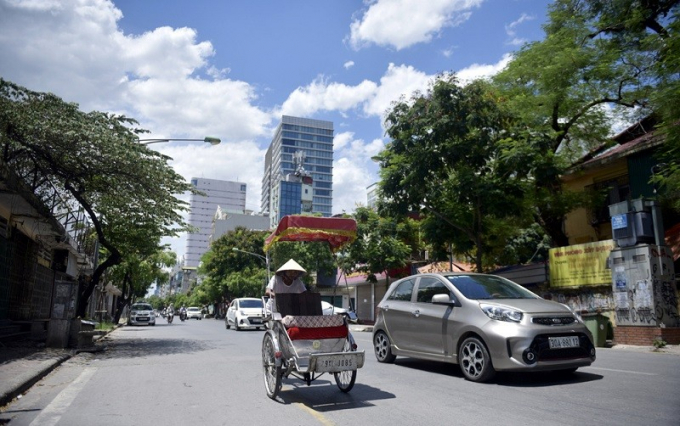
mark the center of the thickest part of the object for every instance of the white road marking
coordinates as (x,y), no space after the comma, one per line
(622,371)
(53,412)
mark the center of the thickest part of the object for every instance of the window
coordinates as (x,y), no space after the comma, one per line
(615,190)
(403,291)
(430,286)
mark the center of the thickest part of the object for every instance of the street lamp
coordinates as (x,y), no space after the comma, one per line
(208,139)
(265,258)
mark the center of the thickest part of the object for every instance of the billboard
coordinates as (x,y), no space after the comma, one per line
(581,265)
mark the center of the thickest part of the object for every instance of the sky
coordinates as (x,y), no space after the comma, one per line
(231,69)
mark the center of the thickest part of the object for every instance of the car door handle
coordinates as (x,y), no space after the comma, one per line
(416,313)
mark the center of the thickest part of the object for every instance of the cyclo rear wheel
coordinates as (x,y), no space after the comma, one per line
(345,379)
(272,373)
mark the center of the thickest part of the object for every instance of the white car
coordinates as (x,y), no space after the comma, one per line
(141,314)
(194,312)
(329,309)
(245,312)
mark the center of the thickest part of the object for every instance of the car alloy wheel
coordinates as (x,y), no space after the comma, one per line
(474,360)
(382,347)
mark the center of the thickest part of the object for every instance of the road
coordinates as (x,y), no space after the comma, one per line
(199,373)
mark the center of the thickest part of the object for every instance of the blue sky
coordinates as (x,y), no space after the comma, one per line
(187,69)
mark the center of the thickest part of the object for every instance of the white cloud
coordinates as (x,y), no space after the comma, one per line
(321,95)
(403,23)
(511,30)
(477,71)
(348,64)
(353,170)
(397,81)
(78,52)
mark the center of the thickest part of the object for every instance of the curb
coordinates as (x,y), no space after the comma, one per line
(23,382)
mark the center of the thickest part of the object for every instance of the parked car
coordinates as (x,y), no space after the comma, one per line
(194,312)
(329,309)
(245,312)
(484,323)
(141,314)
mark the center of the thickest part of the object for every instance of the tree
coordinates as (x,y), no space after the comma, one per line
(598,64)
(444,159)
(134,275)
(382,244)
(128,192)
(230,274)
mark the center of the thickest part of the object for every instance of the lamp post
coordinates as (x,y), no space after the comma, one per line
(208,139)
(265,258)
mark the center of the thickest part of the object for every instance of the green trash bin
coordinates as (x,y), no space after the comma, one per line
(597,324)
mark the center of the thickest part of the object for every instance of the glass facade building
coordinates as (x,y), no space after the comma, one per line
(298,140)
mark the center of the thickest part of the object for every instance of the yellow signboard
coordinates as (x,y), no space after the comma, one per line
(581,265)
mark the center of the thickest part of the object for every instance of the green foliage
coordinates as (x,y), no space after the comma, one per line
(446,159)
(382,244)
(230,274)
(135,275)
(129,192)
(659,343)
(598,64)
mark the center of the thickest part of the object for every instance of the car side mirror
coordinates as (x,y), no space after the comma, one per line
(442,299)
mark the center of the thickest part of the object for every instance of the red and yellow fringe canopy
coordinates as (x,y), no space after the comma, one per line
(336,231)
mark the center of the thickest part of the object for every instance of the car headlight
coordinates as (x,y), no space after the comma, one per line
(500,313)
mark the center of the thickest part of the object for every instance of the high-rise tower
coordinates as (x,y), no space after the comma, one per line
(298,169)
(229,196)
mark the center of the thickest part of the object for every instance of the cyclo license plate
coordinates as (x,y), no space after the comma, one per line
(336,363)
(563,342)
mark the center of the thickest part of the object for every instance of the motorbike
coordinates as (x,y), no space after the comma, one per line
(170,316)
(183,315)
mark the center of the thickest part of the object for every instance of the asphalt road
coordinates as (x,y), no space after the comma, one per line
(199,373)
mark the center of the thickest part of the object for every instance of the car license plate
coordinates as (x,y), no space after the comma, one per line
(563,342)
(336,363)
(256,321)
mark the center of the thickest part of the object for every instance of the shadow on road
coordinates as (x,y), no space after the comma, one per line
(133,347)
(324,396)
(514,379)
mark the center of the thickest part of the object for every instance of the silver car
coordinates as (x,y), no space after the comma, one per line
(484,323)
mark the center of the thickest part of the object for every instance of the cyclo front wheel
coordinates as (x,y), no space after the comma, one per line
(272,372)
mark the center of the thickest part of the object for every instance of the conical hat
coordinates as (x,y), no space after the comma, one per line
(291,265)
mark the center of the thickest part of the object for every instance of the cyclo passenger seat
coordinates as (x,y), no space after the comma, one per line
(304,319)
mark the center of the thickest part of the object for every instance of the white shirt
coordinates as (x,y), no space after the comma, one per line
(277,285)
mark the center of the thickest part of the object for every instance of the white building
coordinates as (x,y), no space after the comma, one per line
(230,196)
(224,222)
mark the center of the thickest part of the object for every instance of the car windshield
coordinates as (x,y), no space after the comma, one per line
(192,309)
(251,303)
(142,308)
(489,287)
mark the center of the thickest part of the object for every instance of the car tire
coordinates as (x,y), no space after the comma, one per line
(383,348)
(236,327)
(474,360)
(226,324)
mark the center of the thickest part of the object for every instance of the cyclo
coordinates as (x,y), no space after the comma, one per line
(300,341)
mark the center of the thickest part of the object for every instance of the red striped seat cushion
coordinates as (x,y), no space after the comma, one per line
(297,333)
